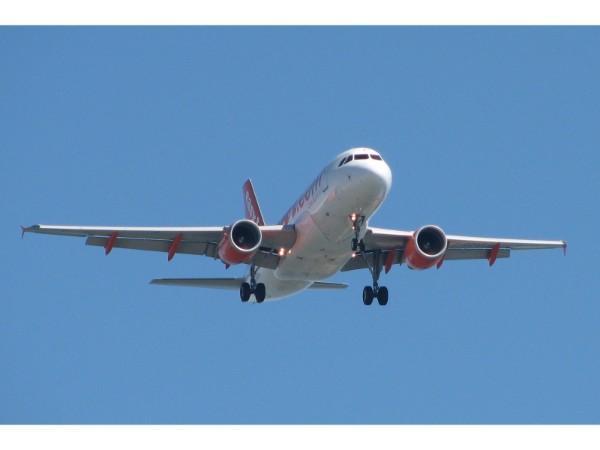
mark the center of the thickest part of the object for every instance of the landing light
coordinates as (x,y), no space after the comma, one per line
(354,254)
(353,217)
(281,251)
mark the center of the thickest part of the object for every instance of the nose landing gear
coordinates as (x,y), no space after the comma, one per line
(357,223)
(258,289)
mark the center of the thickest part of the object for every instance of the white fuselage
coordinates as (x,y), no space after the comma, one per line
(323,225)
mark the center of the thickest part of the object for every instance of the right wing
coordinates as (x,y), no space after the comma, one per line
(190,240)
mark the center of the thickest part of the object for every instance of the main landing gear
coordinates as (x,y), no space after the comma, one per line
(374,262)
(375,291)
(379,292)
(258,289)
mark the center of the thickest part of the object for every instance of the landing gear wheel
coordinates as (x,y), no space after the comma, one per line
(368,295)
(245,292)
(382,295)
(260,293)
(375,264)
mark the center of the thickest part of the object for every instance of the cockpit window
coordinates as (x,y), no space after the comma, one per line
(361,156)
(377,157)
(345,160)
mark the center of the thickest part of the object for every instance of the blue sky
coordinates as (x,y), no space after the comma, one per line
(488,131)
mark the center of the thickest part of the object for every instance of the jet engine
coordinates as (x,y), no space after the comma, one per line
(240,242)
(426,248)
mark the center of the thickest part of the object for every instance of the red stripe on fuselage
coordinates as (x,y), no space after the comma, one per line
(303,201)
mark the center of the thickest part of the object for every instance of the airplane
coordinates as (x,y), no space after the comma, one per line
(325,231)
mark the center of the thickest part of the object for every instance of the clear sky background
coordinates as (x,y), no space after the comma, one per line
(488,131)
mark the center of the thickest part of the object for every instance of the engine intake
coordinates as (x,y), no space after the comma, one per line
(426,248)
(240,242)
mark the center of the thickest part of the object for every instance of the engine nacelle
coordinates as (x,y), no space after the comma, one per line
(240,242)
(426,248)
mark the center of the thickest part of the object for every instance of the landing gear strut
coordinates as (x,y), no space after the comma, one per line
(375,291)
(258,289)
(357,223)
(375,265)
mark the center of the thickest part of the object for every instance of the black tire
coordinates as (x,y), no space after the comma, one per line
(245,292)
(368,295)
(361,246)
(382,296)
(260,293)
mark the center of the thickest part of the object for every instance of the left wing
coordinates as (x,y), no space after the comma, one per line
(393,242)
(190,240)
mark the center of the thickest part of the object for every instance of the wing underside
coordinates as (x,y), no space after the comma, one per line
(188,240)
(384,243)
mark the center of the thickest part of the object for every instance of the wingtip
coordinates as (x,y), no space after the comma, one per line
(27,229)
(565,248)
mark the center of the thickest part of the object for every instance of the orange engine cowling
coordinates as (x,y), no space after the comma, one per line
(240,242)
(426,248)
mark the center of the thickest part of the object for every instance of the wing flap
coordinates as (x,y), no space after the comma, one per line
(192,248)
(278,236)
(264,259)
(384,239)
(474,253)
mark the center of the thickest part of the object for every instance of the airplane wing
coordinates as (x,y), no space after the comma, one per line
(171,240)
(459,247)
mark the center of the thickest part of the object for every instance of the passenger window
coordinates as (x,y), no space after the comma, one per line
(361,157)
(377,157)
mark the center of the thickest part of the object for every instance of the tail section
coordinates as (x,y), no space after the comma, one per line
(251,204)
(215,283)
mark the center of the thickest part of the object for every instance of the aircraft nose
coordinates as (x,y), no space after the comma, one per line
(374,178)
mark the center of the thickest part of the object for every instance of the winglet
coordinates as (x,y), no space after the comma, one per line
(565,248)
(30,229)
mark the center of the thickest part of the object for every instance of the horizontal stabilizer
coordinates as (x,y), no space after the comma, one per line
(215,283)
(322,285)
(229,283)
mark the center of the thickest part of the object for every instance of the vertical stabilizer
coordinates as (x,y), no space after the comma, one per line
(251,204)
